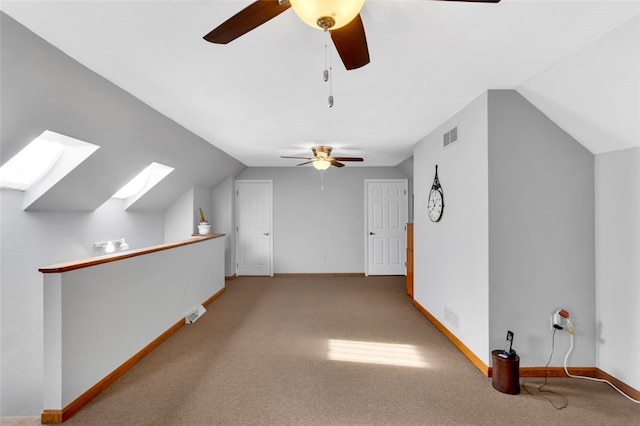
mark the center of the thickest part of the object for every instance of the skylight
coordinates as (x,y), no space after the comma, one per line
(43,163)
(37,160)
(29,165)
(143,182)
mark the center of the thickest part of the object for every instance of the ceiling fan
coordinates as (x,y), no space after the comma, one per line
(340,17)
(322,160)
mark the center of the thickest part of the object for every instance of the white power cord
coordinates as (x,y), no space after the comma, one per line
(566,370)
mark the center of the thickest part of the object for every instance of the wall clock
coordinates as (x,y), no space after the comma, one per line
(436,199)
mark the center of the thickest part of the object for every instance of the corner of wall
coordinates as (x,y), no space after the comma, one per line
(451,280)
(617,209)
(179,218)
(541,222)
(223,219)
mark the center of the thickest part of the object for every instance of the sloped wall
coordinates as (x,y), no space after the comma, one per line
(42,88)
(593,94)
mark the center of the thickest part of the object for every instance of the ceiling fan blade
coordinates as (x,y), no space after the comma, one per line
(347,158)
(252,16)
(306,162)
(351,44)
(299,158)
(336,163)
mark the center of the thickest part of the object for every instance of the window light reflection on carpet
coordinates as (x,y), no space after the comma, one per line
(375,353)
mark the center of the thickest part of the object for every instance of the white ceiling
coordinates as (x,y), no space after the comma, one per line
(262,95)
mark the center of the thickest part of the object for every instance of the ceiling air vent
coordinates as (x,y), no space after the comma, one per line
(450,137)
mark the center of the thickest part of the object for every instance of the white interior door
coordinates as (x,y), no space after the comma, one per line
(254,234)
(385,226)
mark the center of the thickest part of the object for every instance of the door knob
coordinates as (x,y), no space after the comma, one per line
(372,233)
(265,233)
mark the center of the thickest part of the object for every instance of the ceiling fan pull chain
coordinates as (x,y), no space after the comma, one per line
(330,76)
(321,180)
(325,73)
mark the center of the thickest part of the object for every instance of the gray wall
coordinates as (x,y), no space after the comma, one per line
(31,240)
(202,199)
(319,230)
(406,167)
(618,265)
(541,232)
(516,241)
(178,218)
(43,89)
(223,220)
(451,256)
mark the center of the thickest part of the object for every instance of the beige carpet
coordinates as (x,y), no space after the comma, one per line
(328,351)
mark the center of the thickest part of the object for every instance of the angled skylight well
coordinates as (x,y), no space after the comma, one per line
(29,165)
(142,182)
(43,163)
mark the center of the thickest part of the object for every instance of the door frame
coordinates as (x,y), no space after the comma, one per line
(366,217)
(237,215)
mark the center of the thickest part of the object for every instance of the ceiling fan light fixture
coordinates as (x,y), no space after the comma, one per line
(321,164)
(327,14)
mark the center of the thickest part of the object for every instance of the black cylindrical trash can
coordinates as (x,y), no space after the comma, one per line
(505,375)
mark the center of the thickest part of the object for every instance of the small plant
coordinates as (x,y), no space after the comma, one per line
(203,220)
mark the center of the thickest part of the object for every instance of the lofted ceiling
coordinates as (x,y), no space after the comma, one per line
(262,96)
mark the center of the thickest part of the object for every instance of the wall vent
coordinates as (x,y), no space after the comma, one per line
(450,137)
(195,313)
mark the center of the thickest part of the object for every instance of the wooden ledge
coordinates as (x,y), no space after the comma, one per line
(99,260)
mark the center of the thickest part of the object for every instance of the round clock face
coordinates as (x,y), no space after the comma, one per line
(435,205)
